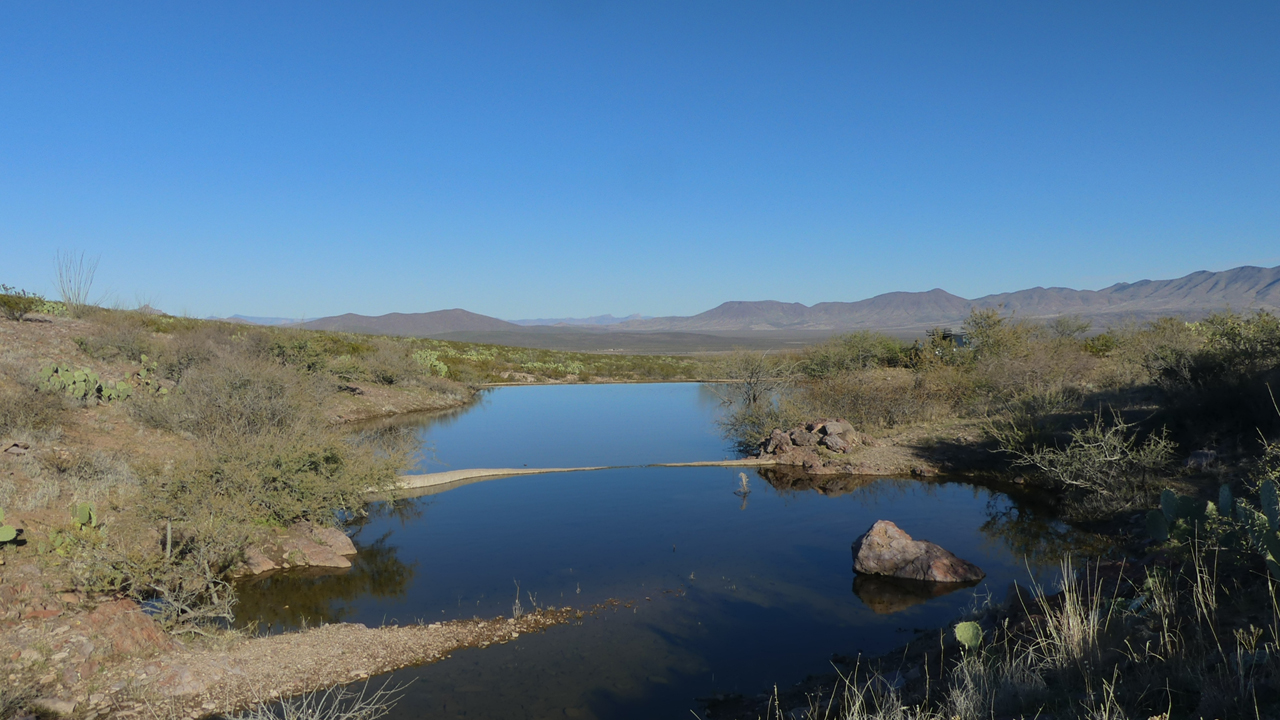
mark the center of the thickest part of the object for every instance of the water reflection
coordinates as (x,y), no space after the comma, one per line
(1033,532)
(888,595)
(761,568)
(313,596)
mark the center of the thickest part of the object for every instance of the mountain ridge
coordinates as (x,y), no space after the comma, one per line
(1197,294)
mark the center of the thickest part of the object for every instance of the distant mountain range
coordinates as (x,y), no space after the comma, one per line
(594,320)
(1197,294)
(260,320)
(412,324)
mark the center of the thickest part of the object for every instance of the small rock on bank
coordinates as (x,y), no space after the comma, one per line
(886,549)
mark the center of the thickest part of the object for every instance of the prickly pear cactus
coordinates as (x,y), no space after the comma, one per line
(84,516)
(969,634)
(7,532)
(85,384)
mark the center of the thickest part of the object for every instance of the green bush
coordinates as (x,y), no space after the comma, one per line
(277,477)
(16,304)
(232,397)
(1101,345)
(1105,467)
(990,334)
(862,350)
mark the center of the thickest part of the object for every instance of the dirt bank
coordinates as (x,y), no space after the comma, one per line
(115,661)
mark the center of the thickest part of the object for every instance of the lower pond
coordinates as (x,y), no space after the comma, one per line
(729,592)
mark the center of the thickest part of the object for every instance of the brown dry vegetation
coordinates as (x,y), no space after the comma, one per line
(228,431)
(1099,425)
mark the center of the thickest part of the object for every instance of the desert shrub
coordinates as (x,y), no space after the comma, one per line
(392,364)
(186,350)
(1214,374)
(990,334)
(16,304)
(278,476)
(862,350)
(300,353)
(116,335)
(1105,465)
(1068,327)
(178,571)
(1102,344)
(1237,347)
(265,451)
(872,399)
(231,397)
(24,409)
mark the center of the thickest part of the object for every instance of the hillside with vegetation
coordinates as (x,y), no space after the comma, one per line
(1163,437)
(141,454)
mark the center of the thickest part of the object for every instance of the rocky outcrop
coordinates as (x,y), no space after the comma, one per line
(820,447)
(298,546)
(886,549)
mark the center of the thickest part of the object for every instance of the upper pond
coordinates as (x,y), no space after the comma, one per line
(732,594)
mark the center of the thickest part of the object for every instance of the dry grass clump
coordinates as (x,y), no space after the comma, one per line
(340,702)
(24,410)
(1171,642)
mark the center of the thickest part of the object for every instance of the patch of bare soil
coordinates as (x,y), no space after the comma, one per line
(367,401)
(114,660)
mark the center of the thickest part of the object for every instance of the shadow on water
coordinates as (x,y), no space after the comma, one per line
(315,596)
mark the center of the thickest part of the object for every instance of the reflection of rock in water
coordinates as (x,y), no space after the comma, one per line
(785,478)
(318,595)
(887,595)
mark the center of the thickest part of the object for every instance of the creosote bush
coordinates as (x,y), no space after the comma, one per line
(265,453)
(17,304)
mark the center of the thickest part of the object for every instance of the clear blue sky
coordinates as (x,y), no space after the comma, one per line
(542,159)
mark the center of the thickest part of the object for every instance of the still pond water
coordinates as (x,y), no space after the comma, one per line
(733,594)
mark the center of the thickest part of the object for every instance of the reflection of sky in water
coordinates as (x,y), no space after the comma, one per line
(576,426)
(765,588)
(769,589)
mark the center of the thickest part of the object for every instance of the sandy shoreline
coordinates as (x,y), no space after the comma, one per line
(433,483)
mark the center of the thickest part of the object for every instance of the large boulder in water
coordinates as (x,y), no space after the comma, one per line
(886,550)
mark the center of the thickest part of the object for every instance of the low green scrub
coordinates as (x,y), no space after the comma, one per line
(1105,468)
(17,304)
(478,363)
(842,354)
(84,384)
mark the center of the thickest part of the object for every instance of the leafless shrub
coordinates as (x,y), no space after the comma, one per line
(1104,462)
(339,702)
(74,278)
(187,350)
